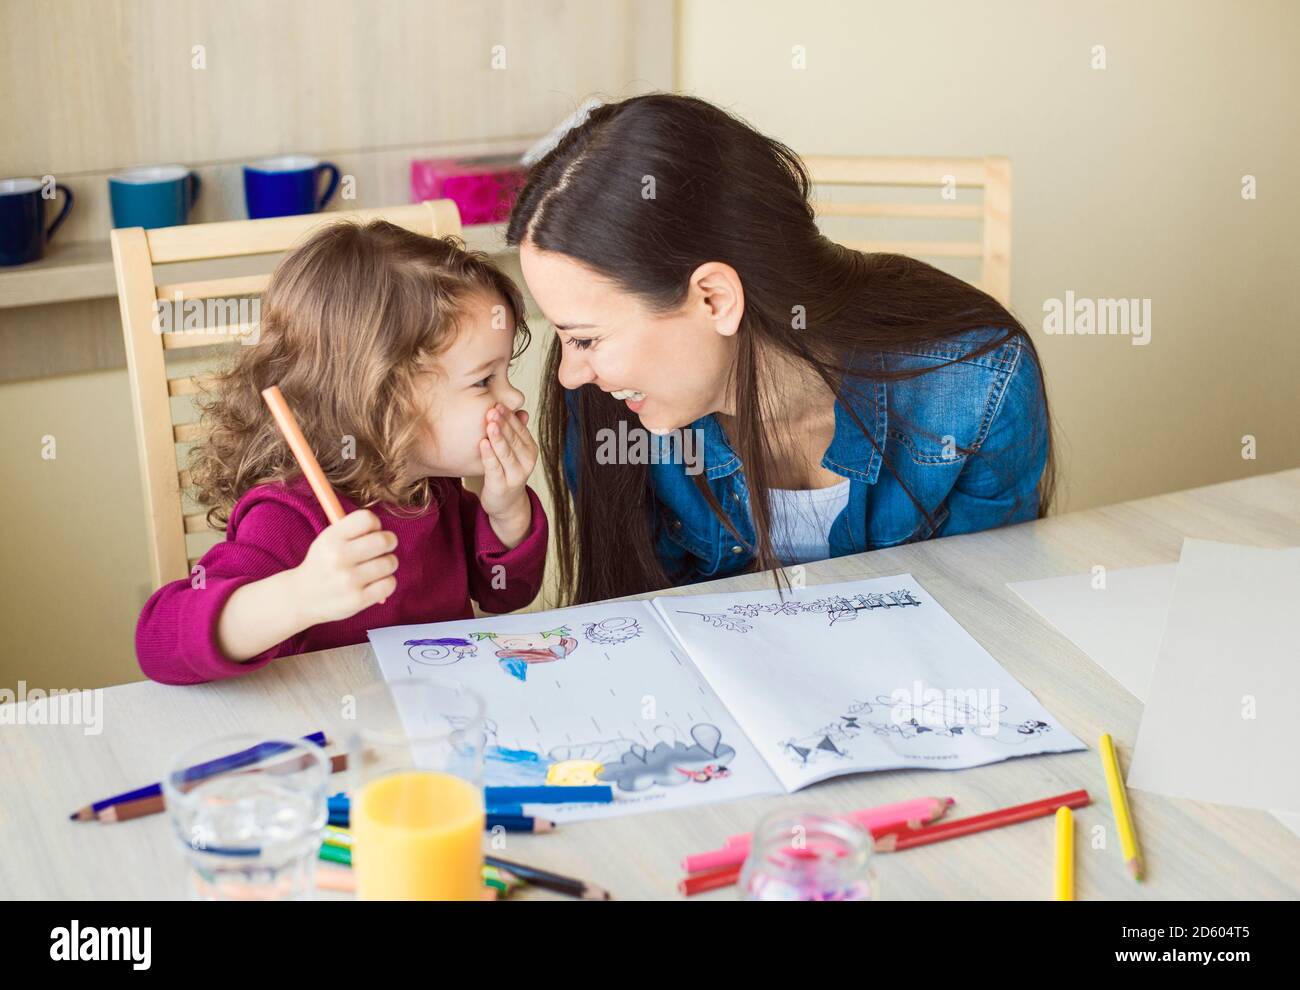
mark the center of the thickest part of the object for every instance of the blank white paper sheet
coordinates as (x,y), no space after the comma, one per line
(1209,646)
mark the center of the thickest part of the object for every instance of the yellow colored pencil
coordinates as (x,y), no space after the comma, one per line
(338,836)
(1064,854)
(1119,806)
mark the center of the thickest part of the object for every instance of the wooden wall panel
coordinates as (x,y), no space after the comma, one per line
(95,85)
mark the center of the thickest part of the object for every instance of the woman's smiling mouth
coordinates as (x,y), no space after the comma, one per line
(632,397)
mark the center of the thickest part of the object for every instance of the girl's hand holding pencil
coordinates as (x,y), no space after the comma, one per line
(349,567)
(509,454)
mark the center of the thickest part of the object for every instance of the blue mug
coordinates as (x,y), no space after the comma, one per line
(153,196)
(23,234)
(288,185)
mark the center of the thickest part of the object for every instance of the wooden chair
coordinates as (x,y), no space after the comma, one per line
(991,174)
(154,385)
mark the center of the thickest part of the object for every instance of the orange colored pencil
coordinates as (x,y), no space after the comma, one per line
(311,469)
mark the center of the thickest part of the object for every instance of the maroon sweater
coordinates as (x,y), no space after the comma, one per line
(445,558)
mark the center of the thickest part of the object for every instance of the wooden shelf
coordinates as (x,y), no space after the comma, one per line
(84,270)
(77,270)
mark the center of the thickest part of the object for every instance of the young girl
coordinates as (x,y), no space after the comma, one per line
(392,350)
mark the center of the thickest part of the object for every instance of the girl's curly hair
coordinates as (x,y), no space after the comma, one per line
(350,320)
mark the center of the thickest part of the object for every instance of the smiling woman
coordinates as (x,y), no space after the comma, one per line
(674,250)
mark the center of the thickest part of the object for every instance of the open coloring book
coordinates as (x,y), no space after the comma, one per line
(687,700)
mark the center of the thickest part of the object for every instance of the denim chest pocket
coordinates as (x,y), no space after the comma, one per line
(937,418)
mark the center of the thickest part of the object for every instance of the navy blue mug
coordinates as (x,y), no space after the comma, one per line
(153,196)
(23,234)
(288,185)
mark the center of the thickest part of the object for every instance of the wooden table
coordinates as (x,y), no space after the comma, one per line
(1192,850)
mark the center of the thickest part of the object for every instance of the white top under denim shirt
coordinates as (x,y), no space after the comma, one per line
(801,521)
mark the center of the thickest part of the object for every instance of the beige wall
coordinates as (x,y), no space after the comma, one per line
(1126,183)
(74,574)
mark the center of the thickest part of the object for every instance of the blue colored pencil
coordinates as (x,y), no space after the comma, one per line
(503,803)
(598,794)
(518,823)
(243,758)
(511,823)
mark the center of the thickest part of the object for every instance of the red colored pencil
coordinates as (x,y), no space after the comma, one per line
(698,883)
(906,837)
(899,837)
(920,811)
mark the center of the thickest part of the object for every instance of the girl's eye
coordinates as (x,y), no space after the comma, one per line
(581,343)
(484,383)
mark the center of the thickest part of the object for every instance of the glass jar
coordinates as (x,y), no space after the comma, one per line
(804,856)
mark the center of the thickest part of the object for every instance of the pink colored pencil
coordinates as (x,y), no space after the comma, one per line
(917,812)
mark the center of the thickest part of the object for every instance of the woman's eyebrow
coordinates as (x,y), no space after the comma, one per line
(574,326)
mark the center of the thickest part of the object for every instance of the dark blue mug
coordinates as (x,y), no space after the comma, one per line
(23,234)
(153,196)
(288,185)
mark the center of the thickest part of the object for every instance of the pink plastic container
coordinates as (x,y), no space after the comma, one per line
(483,188)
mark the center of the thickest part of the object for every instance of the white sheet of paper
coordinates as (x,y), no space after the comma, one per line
(1119,626)
(862,675)
(1219,721)
(1118,623)
(573,690)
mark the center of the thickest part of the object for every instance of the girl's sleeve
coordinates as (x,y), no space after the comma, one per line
(176,637)
(502,579)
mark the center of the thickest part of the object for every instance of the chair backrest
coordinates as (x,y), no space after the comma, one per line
(943,176)
(159,420)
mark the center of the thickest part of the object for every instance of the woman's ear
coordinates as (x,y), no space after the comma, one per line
(717,290)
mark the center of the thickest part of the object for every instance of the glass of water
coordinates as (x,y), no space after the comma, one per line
(250,813)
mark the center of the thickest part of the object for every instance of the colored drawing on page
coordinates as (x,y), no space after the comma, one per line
(517,651)
(439,652)
(626,765)
(670,764)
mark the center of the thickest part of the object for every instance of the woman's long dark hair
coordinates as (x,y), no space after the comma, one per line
(722,192)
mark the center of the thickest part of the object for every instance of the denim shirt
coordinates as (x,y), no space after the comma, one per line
(991,404)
